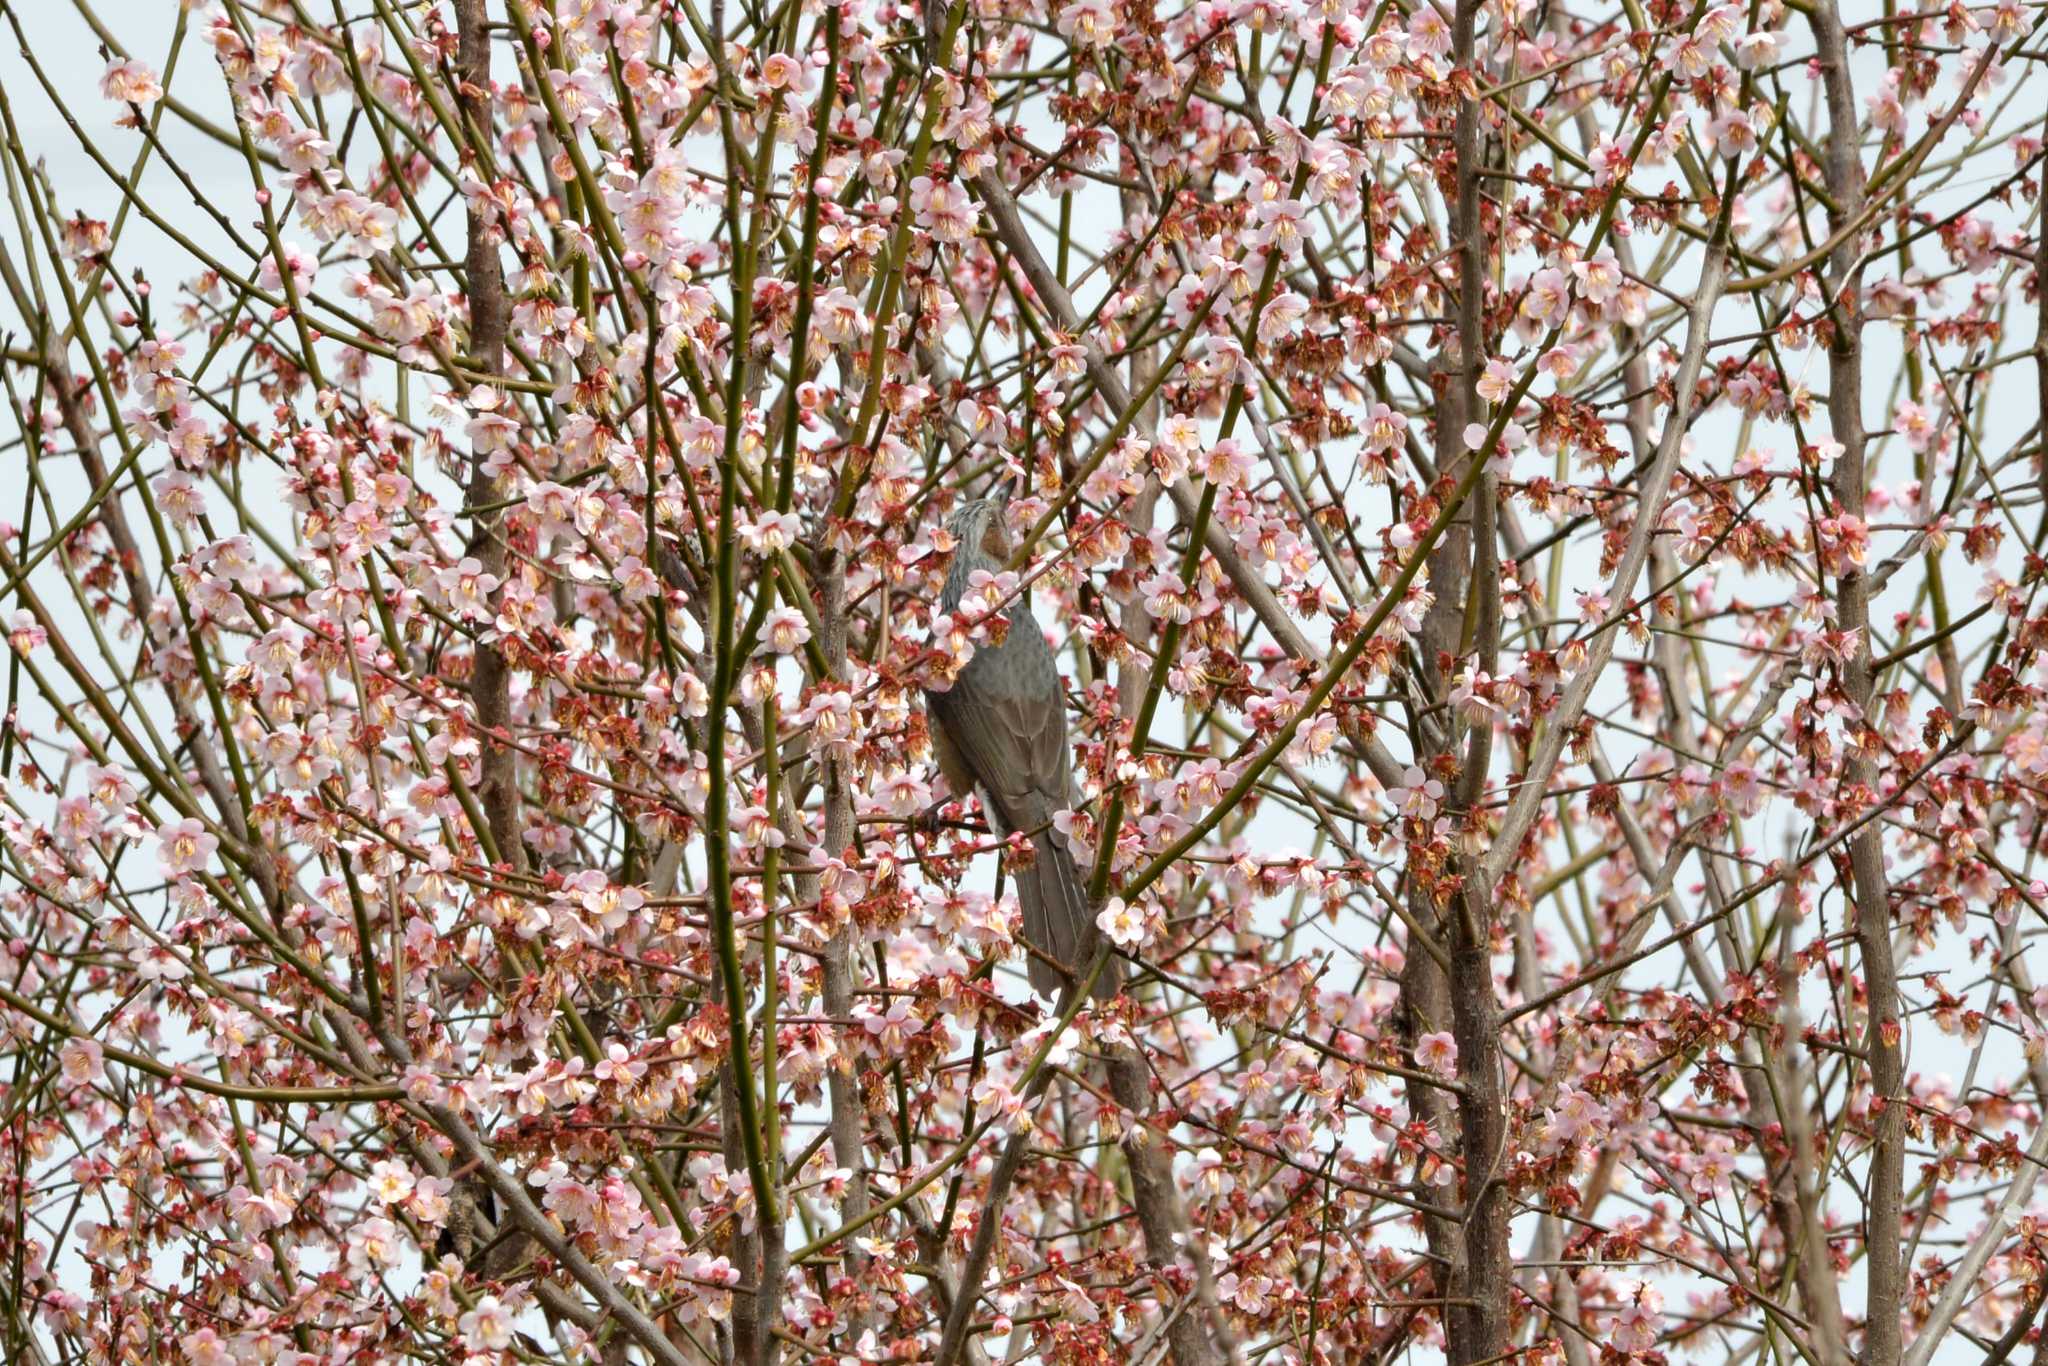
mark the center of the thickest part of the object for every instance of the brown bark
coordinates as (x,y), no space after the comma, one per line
(1883,1223)
(1465,570)
(842,1086)
(1198,1336)
(489,312)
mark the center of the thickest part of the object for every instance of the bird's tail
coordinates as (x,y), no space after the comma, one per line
(1058,922)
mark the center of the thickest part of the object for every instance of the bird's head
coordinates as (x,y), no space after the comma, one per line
(982,531)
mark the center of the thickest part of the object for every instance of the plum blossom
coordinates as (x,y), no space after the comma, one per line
(1641,1320)
(1598,277)
(943,209)
(1124,924)
(392,1182)
(1418,794)
(1734,135)
(1916,424)
(131,82)
(618,1067)
(785,630)
(25,635)
(185,847)
(488,1326)
(81,1061)
(1547,297)
(1089,23)
(903,793)
(892,1029)
(780,71)
(206,1347)
(1437,1053)
(1279,317)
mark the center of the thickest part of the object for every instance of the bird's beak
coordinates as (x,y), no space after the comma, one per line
(1004,490)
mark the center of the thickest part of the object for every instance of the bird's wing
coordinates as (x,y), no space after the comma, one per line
(1006,718)
(1006,715)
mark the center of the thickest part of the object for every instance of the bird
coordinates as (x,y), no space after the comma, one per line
(1001,731)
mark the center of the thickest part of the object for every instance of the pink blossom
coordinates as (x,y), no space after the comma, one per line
(25,634)
(1437,1053)
(131,82)
(81,1060)
(1124,924)
(487,1327)
(185,847)
(1641,1321)
(1545,301)
(1090,23)
(943,209)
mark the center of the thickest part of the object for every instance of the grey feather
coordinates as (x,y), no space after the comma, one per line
(1006,716)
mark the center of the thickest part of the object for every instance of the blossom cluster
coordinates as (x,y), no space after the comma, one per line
(1543,588)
